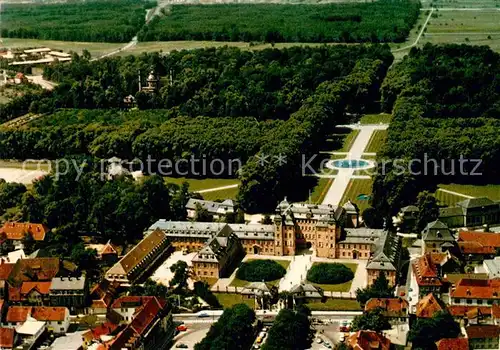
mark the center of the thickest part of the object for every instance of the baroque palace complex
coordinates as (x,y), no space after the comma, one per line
(329,231)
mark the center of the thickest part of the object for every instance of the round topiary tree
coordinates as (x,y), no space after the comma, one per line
(325,273)
(260,270)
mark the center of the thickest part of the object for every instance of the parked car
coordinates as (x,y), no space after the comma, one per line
(203,314)
(327,345)
(319,340)
(182,328)
(181,346)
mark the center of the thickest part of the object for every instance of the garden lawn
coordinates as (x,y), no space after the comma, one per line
(228,300)
(491,191)
(202,184)
(341,287)
(332,304)
(377,140)
(355,188)
(383,118)
(228,193)
(319,191)
(236,282)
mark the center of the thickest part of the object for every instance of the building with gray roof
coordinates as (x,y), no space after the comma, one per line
(385,257)
(437,237)
(218,210)
(71,292)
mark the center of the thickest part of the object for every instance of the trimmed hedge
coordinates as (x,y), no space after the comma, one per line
(260,270)
(325,273)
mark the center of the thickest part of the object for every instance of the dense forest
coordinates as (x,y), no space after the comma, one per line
(446,105)
(265,84)
(201,89)
(379,21)
(96,20)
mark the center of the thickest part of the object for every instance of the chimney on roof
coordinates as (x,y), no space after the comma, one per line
(468,291)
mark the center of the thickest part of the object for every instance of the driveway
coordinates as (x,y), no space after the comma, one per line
(163,275)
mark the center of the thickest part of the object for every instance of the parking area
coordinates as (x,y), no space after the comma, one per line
(163,275)
(189,338)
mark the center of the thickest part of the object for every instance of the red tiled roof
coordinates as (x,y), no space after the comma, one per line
(49,313)
(428,306)
(439,258)
(109,249)
(17,230)
(368,340)
(482,331)
(147,314)
(426,272)
(103,329)
(6,338)
(18,313)
(469,311)
(393,307)
(14,293)
(37,269)
(453,344)
(475,248)
(478,289)
(130,301)
(495,311)
(5,270)
(41,287)
(487,239)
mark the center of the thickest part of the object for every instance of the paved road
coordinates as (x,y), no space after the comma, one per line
(296,272)
(217,188)
(339,185)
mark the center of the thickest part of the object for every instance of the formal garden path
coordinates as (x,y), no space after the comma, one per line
(343,177)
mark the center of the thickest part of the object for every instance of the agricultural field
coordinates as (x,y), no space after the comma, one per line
(95,21)
(445,4)
(481,27)
(357,188)
(380,21)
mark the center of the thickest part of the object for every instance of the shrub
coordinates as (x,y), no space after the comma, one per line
(325,273)
(260,270)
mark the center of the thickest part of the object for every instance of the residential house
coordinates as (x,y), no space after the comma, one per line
(151,328)
(16,231)
(425,278)
(108,254)
(71,292)
(102,295)
(492,267)
(475,314)
(140,259)
(31,333)
(428,306)
(217,210)
(394,309)
(453,344)
(437,237)
(483,337)
(30,293)
(56,319)
(385,258)
(368,340)
(5,271)
(126,306)
(477,246)
(471,212)
(471,292)
(219,256)
(70,341)
(7,338)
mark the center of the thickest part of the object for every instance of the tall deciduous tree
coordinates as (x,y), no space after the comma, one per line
(373,320)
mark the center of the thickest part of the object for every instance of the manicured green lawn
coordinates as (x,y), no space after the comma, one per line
(202,184)
(490,191)
(335,305)
(228,300)
(348,141)
(355,188)
(236,282)
(384,118)
(319,191)
(228,193)
(378,139)
(342,287)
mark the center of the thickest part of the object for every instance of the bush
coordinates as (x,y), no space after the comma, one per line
(325,273)
(260,270)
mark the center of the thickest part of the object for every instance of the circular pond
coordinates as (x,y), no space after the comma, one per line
(350,164)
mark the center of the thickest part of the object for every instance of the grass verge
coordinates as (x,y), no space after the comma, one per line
(335,305)
(228,300)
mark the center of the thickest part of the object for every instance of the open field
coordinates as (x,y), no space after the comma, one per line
(383,118)
(341,287)
(95,49)
(355,188)
(348,22)
(228,193)
(461,3)
(201,184)
(377,140)
(332,304)
(490,191)
(228,300)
